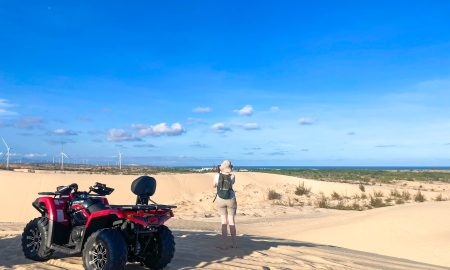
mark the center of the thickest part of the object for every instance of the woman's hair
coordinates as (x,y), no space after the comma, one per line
(218,168)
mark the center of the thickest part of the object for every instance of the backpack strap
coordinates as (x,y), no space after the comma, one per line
(217,189)
(221,179)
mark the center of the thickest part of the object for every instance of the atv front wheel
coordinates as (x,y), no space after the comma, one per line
(34,237)
(162,249)
(105,250)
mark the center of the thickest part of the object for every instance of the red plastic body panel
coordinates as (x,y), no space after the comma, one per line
(145,218)
(57,212)
(56,209)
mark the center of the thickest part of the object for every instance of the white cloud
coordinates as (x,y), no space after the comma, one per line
(305,121)
(199,145)
(220,128)
(4,107)
(157,130)
(28,122)
(274,109)
(144,145)
(34,155)
(65,132)
(191,121)
(251,126)
(202,110)
(60,141)
(120,135)
(247,110)
(278,153)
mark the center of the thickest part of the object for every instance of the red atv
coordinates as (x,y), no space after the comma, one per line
(108,236)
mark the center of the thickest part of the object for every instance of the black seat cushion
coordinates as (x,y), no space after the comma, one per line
(144,186)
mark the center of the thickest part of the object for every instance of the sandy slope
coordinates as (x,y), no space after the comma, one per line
(417,232)
(195,250)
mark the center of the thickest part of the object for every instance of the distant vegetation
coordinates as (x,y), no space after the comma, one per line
(103,169)
(357,176)
(365,176)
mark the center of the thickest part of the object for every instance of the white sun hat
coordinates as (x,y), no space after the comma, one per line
(226,166)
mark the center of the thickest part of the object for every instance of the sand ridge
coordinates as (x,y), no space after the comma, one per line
(275,235)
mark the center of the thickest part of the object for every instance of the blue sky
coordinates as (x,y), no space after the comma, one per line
(258,82)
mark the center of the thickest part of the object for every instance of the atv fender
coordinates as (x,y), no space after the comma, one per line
(53,209)
(101,220)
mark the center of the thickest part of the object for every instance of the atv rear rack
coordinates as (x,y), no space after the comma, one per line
(143,207)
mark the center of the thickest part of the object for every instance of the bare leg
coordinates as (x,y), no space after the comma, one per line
(224,231)
(232,229)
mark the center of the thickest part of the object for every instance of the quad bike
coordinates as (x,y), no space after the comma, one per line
(107,236)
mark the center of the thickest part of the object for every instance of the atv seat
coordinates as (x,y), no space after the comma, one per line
(143,187)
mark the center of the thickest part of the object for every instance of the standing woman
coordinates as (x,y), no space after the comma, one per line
(226,201)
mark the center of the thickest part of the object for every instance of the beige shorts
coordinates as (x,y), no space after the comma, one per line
(226,207)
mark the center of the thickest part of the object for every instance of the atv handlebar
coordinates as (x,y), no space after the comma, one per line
(101,189)
(98,188)
(62,190)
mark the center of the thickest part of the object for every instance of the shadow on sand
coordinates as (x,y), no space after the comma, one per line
(197,249)
(193,250)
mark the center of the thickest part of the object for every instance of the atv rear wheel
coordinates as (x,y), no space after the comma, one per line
(162,249)
(105,250)
(34,237)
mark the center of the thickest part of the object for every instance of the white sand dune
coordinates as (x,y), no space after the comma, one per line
(275,236)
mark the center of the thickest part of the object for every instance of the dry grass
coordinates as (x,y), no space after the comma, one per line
(302,190)
(419,197)
(362,188)
(376,202)
(378,194)
(439,198)
(273,195)
(336,196)
(406,196)
(323,202)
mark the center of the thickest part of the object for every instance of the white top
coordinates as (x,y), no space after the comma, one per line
(216,179)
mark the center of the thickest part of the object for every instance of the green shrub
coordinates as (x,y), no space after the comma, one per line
(363,196)
(419,197)
(302,190)
(273,195)
(439,198)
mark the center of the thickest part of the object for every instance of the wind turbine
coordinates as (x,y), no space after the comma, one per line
(8,150)
(62,156)
(120,161)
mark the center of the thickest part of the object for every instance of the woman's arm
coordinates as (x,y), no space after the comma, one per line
(216,180)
